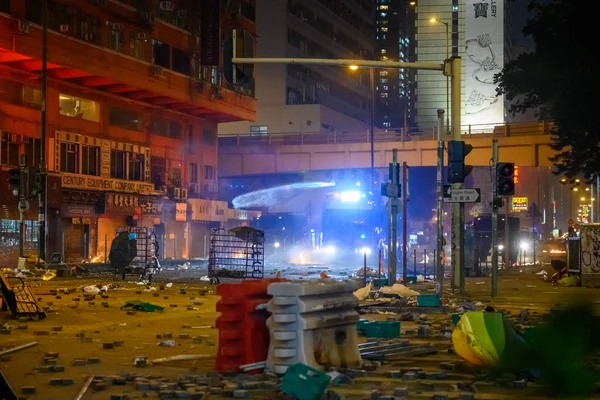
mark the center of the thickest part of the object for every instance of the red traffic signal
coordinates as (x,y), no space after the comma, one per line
(505,179)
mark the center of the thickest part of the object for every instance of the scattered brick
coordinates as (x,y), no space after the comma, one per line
(80,334)
(58,368)
(76,299)
(4,331)
(93,360)
(104,296)
(401,392)
(410,376)
(55,382)
(41,333)
(141,362)
(155,294)
(167,335)
(44,368)
(108,346)
(28,390)
(395,374)
(166,297)
(23,319)
(57,328)
(58,297)
(86,340)
(161,287)
(423,331)
(118,343)
(240,394)
(190,308)
(120,397)
(50,360)
(426,386)
(22,327)
(448,366)
(198,303)
(466,396)
(184,336)
(92,303)
(173,305)
(79,362)
(138,292)
(143,386)
(99,386)
(439,396)
(197,339)
(5,359)
(131,312)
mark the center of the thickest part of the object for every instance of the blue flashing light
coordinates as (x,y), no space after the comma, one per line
(363,236)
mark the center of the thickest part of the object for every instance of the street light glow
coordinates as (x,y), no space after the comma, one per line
(433,20)
(353,67)
(412,3)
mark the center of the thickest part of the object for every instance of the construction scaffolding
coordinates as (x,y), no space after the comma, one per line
(236,253)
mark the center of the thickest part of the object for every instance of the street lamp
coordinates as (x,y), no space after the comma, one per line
(371,119)
(433,21)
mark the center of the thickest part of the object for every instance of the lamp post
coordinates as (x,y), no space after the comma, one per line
(434,20)
(371,119)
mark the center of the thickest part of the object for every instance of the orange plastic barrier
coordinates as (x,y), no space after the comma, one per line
(243,332)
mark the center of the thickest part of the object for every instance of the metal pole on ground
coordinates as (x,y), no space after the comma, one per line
(392,191)
(458,209)
(494,218)
(404,219)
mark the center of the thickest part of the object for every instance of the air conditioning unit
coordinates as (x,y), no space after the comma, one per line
(116,26)
(147,17)
(184,194)
(64,28)
(155,70)
(181,13)
(20,27)
(141,36)
(197,188)
(213,187)
(166,5)
(177,193)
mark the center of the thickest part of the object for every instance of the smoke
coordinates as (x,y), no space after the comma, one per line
(275,195)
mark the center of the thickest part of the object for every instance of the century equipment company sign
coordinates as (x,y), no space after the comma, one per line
(484,58)
(96,183)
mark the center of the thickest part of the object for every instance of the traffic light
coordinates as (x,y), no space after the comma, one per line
(33,181)
(457,170)
(14,180)
(505,179)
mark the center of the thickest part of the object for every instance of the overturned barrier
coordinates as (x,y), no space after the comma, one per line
(314,323)
(243,334)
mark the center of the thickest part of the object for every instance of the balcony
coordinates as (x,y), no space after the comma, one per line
(85,64)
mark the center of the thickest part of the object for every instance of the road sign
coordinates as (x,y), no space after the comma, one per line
(462,195)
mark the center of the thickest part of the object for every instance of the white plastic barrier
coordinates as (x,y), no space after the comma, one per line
(314,323)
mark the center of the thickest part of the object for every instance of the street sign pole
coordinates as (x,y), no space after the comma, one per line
(494,218)
(439,268)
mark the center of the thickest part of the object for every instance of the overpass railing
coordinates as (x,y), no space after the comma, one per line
(470,131)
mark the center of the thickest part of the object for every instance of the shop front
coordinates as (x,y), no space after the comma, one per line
(10,222)
(79,223)
(177,231)
(200,226)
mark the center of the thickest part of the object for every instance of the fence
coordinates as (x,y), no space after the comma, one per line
(471,131)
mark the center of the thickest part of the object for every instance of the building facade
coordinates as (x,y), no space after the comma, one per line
(133,101)
(395,41)
(310,98)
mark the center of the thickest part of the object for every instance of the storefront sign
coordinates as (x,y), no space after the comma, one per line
(151,206)
(181,212)
(210,29)
(520,204)
(126,204)
(83,182)
(77,211)
(200,209)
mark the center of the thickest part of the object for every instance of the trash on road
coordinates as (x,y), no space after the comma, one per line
(139,305)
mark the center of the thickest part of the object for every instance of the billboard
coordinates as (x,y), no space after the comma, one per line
(210,33)
(520,204)
(484,58)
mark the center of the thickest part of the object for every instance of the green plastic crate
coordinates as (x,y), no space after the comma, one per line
(456,318)
(429,300)
(361,325)
(380,282)
(383,329)
(304,382)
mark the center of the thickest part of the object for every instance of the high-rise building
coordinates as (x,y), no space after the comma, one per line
(395,41)
(477,32)
(299,98)
(132,105)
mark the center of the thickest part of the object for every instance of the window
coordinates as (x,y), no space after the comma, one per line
(125,118)
(158,168)
(161,54)
(11,150)
(90,160)
(87,28)
(115,36)
(259,130)
(118,164)
(293,96)
(137,44)
(69,157)
(175,129)
(136,167)
(208,172)
(76,107)
(209,136)
(193,173)
(31,97)
(181,61)
(190,137)
(159,125)
(17,93)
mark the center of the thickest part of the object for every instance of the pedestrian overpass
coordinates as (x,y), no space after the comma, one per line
(527,144)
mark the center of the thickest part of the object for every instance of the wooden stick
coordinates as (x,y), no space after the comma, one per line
(18,348)
(84,388)
(183,357)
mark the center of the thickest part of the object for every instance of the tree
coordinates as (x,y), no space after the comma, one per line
(561,80)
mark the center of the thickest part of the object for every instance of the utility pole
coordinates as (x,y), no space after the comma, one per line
(372,123)
(439,269)
(404,221)
(43,195)
(23,203)
(494,218)
(506,236)
(393,190)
